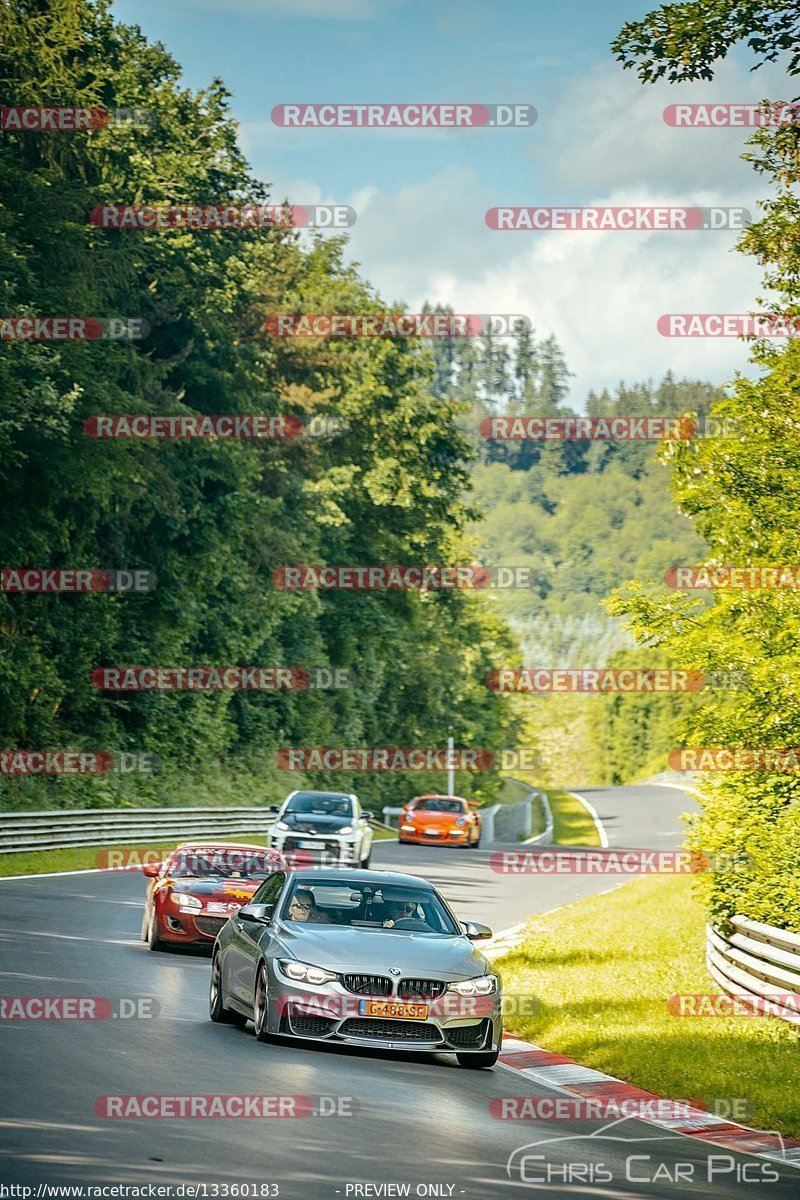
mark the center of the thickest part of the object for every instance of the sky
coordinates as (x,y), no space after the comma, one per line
(421,195)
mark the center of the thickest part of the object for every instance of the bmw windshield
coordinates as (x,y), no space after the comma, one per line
(402,908)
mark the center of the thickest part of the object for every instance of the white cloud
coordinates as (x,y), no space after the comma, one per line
(600,293)
(608,131)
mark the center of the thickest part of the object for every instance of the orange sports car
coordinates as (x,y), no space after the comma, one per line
(439,821)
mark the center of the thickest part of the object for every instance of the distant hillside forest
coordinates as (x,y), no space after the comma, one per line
(584,518)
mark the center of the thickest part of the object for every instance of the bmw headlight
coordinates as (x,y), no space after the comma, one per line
(184,901)
(484,985)
(305,973)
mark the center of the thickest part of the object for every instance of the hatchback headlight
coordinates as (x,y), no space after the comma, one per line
(305,973)
(280,825)
(346,829)
(484,985)
(461,821)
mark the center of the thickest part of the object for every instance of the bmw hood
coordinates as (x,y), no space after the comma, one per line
(377,951)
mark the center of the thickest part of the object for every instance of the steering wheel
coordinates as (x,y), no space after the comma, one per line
(412,923)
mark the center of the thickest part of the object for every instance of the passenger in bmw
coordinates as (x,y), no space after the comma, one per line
(303,907)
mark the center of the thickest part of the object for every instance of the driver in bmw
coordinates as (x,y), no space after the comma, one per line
(398,910)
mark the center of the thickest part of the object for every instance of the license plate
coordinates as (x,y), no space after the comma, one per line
(311,845)
(432,832)
(393,1009)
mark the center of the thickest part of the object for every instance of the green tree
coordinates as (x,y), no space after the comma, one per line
(743,494)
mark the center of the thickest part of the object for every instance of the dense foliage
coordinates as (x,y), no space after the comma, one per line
(744,495)
(211,518)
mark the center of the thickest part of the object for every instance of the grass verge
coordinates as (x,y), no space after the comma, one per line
(84,858)
(603,969)
(572,824)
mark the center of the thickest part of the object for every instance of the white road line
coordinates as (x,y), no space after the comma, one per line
(678,787)
(55,874)
(598,824)
(66,937)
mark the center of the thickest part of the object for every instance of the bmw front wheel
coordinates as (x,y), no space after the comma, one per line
(261,1004)
(216,1004)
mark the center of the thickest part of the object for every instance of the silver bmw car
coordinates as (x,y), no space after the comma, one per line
(362,958)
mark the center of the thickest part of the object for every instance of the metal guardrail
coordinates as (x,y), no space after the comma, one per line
(758,962)
(546,837)
(63,828)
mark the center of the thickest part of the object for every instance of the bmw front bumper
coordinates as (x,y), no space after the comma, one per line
(330,1013)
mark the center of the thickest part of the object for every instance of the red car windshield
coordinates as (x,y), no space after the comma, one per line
(221,863)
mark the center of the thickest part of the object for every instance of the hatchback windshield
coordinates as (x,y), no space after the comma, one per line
(321,804)
(403,908)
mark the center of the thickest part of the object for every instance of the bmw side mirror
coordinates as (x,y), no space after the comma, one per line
(475,931)
(256,914)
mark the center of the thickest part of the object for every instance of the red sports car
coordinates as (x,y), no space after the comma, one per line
(192,893)
(440,821)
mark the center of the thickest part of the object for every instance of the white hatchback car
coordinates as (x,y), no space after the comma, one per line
(327,827)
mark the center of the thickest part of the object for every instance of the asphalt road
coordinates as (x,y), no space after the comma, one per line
(419,1121)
